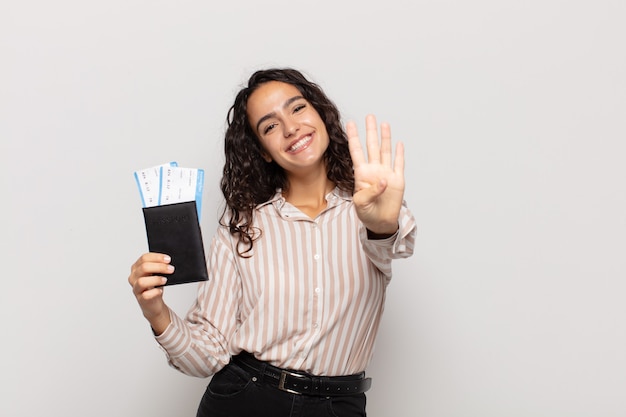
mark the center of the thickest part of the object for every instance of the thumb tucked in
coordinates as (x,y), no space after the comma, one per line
(370,194)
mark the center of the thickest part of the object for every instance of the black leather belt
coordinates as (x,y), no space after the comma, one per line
(302,383)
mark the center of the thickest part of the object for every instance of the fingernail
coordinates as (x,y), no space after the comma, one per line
(163,280)
(170,268)
(167,259)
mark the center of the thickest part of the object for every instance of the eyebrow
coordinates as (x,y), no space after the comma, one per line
(273,114)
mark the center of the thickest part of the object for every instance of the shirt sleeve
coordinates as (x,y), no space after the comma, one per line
(400,245)
(198,344)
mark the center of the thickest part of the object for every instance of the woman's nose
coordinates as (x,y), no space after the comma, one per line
(291,127)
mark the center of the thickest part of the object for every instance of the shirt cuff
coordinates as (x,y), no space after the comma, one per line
(176,339)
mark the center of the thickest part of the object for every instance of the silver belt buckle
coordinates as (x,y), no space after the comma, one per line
(281,381)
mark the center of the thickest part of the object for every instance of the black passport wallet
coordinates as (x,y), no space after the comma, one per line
(174,230)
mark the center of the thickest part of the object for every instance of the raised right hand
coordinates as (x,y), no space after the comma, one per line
(147,274)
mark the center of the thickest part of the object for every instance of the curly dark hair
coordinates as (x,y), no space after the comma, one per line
(248,179)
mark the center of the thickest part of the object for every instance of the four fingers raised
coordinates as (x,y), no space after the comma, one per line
(378,151)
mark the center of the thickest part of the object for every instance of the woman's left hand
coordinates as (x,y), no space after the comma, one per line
(378,181)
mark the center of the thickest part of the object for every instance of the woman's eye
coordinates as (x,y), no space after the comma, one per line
(299,107)
(268,128)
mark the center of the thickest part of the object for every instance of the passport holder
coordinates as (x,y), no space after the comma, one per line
(174,230)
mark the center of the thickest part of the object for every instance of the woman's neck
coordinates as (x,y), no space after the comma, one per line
(309,196)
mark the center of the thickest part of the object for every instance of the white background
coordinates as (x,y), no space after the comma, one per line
(513,117)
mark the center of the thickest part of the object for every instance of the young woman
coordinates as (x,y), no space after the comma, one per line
(299,265)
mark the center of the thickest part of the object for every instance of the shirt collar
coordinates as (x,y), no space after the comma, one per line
(278,201)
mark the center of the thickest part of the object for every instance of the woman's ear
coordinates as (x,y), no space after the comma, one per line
(266,156)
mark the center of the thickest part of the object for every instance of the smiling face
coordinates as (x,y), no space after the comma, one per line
(289,128)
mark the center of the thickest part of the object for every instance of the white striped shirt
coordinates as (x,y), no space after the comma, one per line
(309,298)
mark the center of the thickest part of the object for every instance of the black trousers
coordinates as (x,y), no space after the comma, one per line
(233,392)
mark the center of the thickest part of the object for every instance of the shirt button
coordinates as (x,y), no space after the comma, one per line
(318,290)
(316,256)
